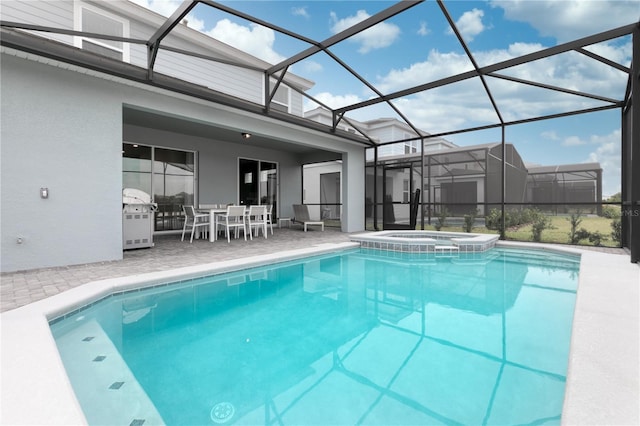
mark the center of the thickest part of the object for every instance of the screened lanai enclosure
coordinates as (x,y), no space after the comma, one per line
(463,181)
(485,173)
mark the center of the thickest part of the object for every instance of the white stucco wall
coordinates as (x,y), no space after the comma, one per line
(353,178)
(62,131)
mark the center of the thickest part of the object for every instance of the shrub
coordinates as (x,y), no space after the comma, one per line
(575,220)
(616,233)
(610,212)
(442,218)
(493,220)
(581,234)
(596,238)
(540,223)
(469,220)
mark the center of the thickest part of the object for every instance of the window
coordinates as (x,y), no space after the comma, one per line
(280,99)
(167,174)
(94,20)
(410,147)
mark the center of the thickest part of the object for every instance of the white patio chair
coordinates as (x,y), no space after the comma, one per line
(257,220)
(236,219)
(193,221)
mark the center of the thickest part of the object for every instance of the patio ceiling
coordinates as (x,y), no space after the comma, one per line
(185,126)
(481,79)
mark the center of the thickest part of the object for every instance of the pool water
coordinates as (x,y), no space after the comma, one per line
(357,337)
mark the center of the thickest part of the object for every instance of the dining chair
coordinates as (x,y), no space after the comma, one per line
(193,221)
(235,219)
(257,219)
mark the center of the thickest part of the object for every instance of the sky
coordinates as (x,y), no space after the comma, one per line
(418,46)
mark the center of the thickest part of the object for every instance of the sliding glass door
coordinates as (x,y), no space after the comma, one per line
(258,183)
(168,175)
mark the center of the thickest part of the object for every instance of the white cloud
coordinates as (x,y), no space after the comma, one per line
(550,135)
(573,141)
(470,24)
(377,37)
(515,101)
(571,19)
(607,153)
(423,30)
(337,101)
(163,7)
(254,39)
(300,11)
(438,65)
(310,66)
(167,7)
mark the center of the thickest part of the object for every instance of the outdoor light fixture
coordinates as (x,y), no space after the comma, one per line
(44,192)
(246,135)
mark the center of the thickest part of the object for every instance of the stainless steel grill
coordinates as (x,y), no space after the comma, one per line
(137,219)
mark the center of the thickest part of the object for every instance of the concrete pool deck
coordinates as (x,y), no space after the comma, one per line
(603,377)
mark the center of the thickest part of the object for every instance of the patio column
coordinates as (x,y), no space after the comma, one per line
(632,201)
(353,192)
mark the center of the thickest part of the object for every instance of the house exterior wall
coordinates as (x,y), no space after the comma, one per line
(62,131)
(58,14)
(141,23)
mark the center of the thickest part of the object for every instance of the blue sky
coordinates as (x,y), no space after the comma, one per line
(417,47)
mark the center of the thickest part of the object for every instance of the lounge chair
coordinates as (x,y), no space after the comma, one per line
(301,215)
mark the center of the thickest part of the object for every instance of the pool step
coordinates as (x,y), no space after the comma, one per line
(101,379)
(446,250)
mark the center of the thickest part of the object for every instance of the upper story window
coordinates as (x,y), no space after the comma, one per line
(410,147)
(91,19)
(281,100)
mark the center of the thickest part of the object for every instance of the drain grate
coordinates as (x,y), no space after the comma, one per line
(222,412)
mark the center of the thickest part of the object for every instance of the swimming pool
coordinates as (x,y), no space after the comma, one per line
(358,337)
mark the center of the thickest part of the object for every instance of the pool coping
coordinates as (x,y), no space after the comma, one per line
(602,381)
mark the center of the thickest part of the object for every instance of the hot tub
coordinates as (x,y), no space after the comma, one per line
(426,241)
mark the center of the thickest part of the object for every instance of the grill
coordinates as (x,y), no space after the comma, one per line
(137,219)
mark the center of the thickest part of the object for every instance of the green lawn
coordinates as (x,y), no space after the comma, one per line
(559,233)
(561,227)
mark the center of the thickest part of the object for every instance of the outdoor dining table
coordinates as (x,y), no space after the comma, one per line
(213,224)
